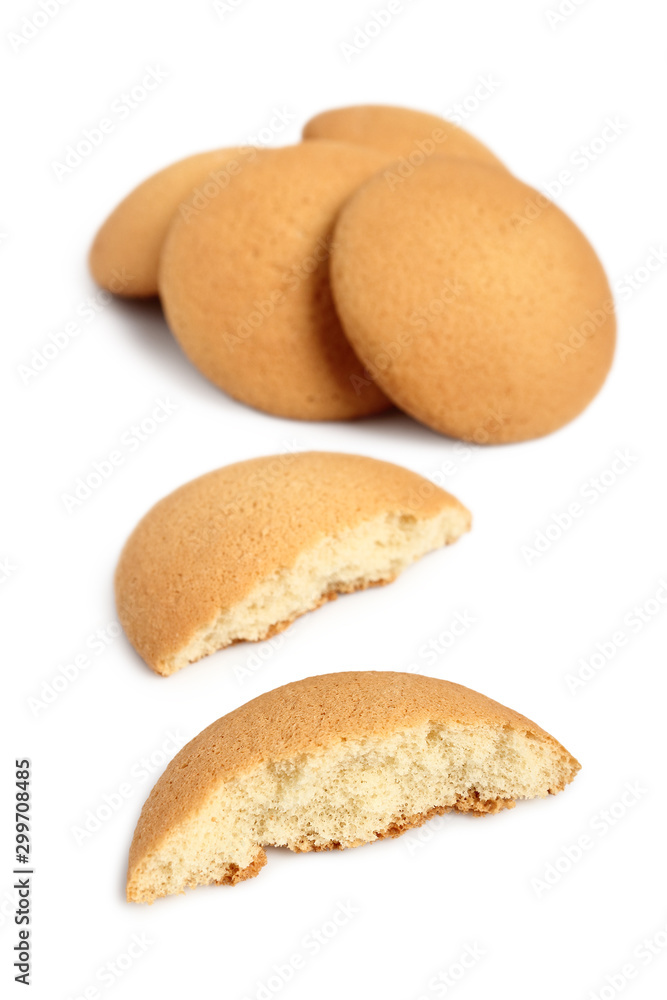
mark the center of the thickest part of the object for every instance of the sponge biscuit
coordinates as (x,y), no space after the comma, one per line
(475,303)
(125,253)
(239,553)
(403,133)
(245,285)
(334,761)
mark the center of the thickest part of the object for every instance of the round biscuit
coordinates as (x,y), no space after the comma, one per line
(405,134)
(476,304)
(125,253)
(245,285)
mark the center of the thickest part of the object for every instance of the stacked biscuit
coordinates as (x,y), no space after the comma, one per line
(389,258)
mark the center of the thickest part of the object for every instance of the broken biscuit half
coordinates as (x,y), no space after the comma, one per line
(239,553)
(334,761)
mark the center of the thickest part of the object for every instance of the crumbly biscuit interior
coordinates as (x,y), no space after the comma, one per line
(348,795)
(374,551)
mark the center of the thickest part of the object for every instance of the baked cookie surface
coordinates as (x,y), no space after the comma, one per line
(334,761)
(241,552)
(402,132)
(474,302)
(245,285)
(126,251)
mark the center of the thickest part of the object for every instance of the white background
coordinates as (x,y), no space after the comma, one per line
(423,899)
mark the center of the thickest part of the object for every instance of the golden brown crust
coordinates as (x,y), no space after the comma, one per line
(245,285)
(234,874)
(477,304)
(310,716)
(402,132)
(125,253)
(465,804)
(208,544)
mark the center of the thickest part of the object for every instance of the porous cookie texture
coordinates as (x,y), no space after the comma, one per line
(333,761)
(407,135)
(476,304)
(245,285)
(241,552)
(126,251)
